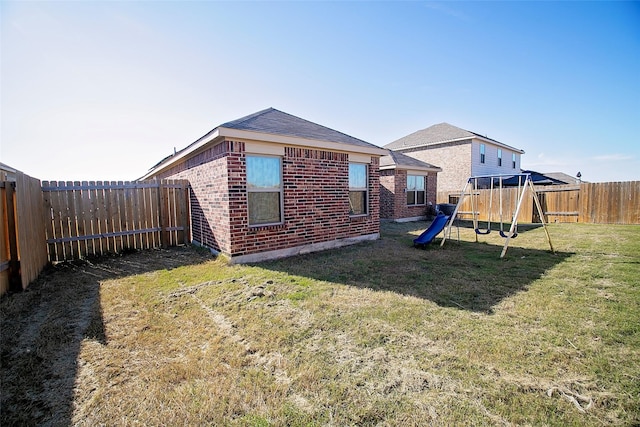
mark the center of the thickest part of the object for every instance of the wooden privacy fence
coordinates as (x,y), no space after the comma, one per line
(486,204)
(603,203)
(95,217)
(610,202)
(23,252)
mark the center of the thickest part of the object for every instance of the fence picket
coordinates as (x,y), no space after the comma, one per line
(100,212)
(5,259)
(93,218)
(154,201)
(59,221)
(136,218)
(605,203)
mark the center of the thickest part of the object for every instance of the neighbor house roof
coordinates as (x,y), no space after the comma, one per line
(561,176)
(537,178)
(7,173)
(275,126)
(396,160)
(440,134)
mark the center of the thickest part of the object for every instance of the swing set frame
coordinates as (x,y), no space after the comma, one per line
(471,190)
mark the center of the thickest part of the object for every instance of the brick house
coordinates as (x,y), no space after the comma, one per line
(460,153)
(407,187)
(271,185)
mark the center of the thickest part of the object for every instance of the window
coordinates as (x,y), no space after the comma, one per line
(415,190)
(499,157)
(513,160)
(357,189)
(482,148)
(264,190)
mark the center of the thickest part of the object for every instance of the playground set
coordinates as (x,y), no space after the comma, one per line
(444,222)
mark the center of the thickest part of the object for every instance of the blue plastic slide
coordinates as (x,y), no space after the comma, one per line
(434,229)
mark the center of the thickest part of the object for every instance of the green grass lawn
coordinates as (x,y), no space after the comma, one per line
(378,333)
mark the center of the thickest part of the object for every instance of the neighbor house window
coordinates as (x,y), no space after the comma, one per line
(499,157)
(357,189)
(264,189)
(415,190)
(513,160)
(482,149)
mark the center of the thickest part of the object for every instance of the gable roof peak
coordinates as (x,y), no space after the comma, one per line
(272,125)
(438,134)
(235,122)
(276,122)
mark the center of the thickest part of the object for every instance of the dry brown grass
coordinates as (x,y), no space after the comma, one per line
(349,337)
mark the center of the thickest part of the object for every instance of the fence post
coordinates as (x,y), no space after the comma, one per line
(187,213)
(15,281)
(164,214)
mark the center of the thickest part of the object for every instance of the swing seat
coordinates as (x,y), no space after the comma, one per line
(487,231)
(505,235)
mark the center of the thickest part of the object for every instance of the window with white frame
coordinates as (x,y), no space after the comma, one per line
(264,189)
(513,160)
(416,190)
(499,157)
(358,189)
(482,153)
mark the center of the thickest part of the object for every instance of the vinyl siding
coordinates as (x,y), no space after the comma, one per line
(490,166)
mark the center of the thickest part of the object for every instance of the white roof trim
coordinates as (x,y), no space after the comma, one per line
(181,155)
(7,168)
(487,140)
(414,168)
(302,142)
(222,132)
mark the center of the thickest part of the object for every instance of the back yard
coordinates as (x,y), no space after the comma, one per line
(374,334)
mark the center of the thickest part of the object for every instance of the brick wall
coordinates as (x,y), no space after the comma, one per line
(454,158)
(316,205)
(316,200)
(387,194)
(393,203)
(207,173)
(432,187)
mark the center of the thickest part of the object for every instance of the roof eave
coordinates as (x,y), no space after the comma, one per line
(302,142)
(501,144)
(211,136)
(222,132)
(413,168)
(447,141)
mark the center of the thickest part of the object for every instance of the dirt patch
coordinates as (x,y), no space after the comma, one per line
(43,327)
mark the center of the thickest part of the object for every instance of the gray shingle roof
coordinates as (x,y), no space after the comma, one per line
(435,134)
(563,177)
(551,178)
(405,162)
(276,122)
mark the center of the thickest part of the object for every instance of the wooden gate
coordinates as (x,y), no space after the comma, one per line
(23,251)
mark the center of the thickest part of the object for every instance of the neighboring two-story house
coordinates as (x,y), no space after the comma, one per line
(459,153)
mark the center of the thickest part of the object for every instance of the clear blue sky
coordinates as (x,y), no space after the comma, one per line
(104,90)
